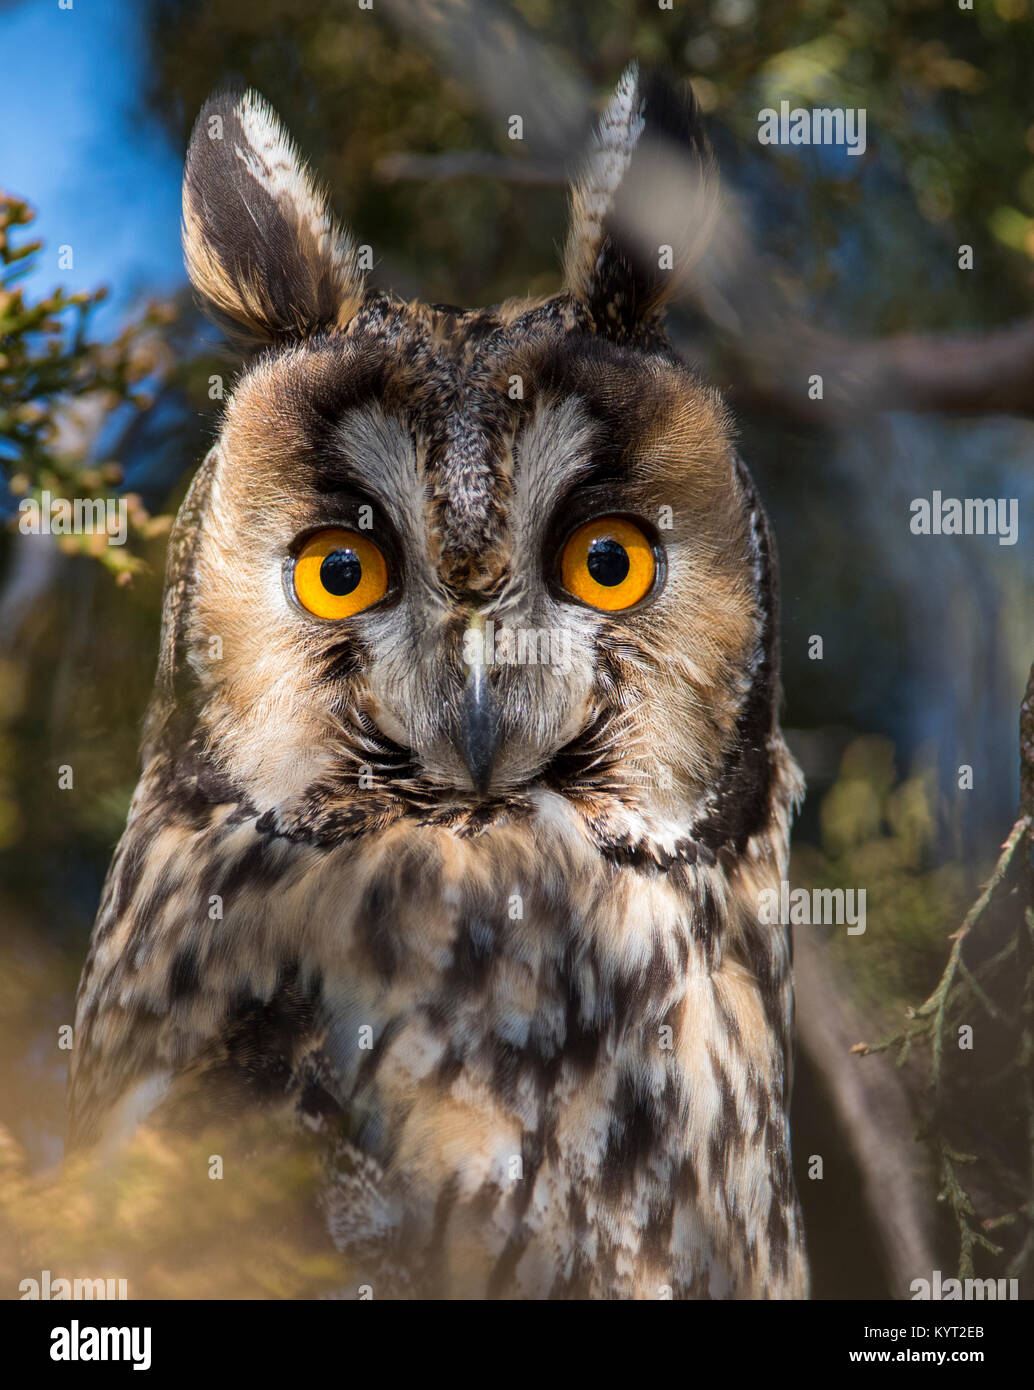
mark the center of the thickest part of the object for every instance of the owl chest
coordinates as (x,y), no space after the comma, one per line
(542,1077)
(544,1097)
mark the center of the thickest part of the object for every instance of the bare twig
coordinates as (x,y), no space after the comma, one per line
(927,1021)
(957,983)
(981,373)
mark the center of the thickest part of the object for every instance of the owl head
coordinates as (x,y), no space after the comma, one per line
(445,563)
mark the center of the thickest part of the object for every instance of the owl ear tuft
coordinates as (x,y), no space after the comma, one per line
(644,205)
(260,244)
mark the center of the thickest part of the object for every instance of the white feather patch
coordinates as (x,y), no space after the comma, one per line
(272,160)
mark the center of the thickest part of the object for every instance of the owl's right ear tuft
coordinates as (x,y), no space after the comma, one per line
(644,206)
(261,246)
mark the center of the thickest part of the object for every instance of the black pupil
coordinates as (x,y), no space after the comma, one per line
(608,562)
(341,572)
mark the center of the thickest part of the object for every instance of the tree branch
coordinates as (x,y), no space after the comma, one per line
(978,373)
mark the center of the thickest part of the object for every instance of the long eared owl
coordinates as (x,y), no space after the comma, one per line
(466,716)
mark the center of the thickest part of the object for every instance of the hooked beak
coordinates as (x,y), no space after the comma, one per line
(479,729)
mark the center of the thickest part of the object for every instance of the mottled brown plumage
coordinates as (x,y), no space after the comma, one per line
(527,998)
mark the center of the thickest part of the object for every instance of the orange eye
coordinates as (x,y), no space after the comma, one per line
(339,573)
(608,563)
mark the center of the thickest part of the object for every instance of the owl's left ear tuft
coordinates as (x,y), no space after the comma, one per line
(261,246)
(643,207)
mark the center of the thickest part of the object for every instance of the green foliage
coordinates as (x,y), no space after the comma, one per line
(882,833)
(57,387)
(158,1218)
(63,393)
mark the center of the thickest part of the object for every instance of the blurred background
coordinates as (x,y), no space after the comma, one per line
(832,264)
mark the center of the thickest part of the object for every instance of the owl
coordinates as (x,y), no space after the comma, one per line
(463,777)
